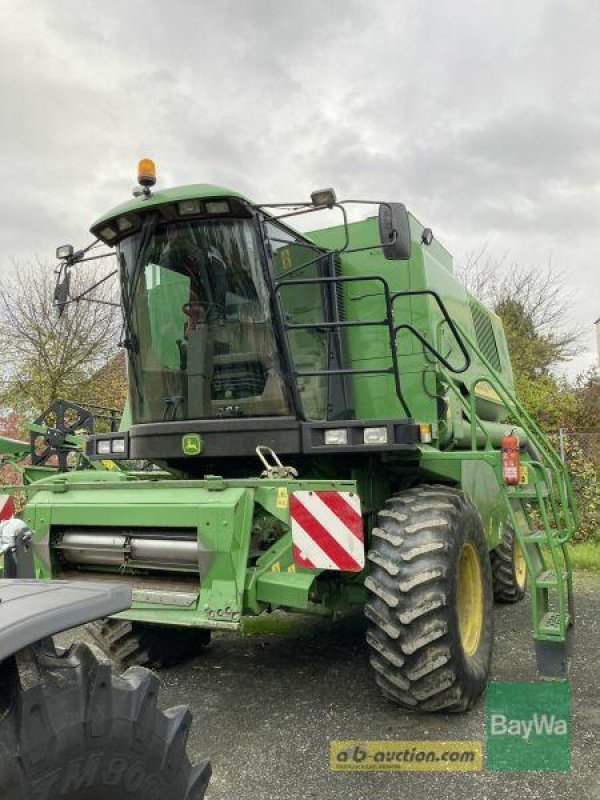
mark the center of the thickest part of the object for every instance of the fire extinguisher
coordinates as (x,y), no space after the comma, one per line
(510,459)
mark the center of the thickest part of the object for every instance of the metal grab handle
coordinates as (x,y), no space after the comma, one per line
(455,332)
(275,469)
(262,451)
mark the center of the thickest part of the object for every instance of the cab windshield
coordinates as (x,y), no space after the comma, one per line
(200,335)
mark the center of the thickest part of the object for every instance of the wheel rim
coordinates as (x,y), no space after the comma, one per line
(520,566)
(470,599)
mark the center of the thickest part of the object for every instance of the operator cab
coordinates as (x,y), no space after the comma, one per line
(201,338)
(198,278)
(235,327)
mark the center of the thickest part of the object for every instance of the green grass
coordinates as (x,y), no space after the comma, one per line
(585,555)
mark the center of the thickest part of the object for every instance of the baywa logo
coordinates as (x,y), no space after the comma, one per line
(543,723)
(528,726)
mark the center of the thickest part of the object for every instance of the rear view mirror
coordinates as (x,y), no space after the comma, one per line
(62,292)
(394,231)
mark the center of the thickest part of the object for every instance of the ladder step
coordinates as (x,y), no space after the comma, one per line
(536,538)
(514,492)
(548,578)
(550,623)
(548,537)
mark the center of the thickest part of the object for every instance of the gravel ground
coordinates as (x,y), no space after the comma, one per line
(267,705)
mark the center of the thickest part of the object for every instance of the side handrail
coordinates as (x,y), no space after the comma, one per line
(387,322)
(449,321)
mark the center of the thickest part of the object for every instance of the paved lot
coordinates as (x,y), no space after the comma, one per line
(267,705)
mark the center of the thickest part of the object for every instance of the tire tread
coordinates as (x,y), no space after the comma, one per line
(413,641)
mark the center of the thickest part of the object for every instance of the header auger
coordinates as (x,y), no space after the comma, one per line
(354,354)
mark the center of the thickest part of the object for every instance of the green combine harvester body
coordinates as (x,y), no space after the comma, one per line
(368,381)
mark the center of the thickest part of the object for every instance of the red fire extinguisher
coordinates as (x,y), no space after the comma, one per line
(510,459)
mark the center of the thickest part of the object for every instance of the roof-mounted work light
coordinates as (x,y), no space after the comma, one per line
(64,251)
(324,197)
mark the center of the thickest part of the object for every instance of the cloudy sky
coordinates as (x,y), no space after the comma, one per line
(483,117)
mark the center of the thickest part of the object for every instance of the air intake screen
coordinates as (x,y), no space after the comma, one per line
(485,335)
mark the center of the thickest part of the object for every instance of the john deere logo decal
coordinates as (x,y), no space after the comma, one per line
(191,444)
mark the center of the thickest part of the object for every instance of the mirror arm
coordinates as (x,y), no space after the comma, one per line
(82,296)
(92,300)
(78,260)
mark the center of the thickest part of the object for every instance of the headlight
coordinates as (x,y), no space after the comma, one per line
(425,432)
(375,436)
(103,447)
(336,436)
(117,445)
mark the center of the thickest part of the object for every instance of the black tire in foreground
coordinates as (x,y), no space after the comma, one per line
(140,644)
(430,600)
(71,729)
(509,572)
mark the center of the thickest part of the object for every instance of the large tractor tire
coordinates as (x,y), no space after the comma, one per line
(140,644)
(509,570)
(430,600)
(72,730)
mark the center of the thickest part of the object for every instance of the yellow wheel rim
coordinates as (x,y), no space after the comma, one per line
(520,566)
(470,599)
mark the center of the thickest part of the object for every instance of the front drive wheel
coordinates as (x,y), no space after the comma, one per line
(70,729)
(430,600)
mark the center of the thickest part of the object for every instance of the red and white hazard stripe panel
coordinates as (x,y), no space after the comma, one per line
(7,507)
(327,530)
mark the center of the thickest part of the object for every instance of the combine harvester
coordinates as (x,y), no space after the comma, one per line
(332,423)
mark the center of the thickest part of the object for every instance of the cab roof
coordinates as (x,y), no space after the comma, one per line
(190,191)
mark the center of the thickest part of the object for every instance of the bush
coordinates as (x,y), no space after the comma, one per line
(584,465)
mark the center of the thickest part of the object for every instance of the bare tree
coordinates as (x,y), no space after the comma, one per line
(44,356)
(532,303)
